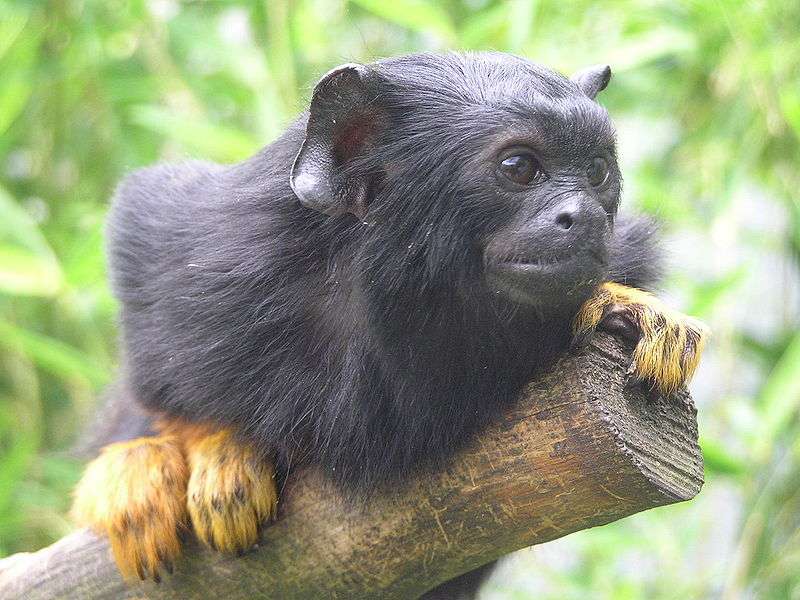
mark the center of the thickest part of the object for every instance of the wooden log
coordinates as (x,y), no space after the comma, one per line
(581,449)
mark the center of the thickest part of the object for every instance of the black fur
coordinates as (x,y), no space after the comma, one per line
(636,256)
(370,347)
(374,346)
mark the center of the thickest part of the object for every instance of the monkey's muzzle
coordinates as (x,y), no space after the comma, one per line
(542,281)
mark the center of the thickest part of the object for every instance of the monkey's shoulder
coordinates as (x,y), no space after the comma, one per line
(162,184)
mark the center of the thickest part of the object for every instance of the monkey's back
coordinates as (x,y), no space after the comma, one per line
(188,270)
(224,284)
(149,226)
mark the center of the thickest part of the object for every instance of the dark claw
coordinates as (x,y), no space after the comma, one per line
(239,493)
(652,392)
(631,382)
(156,576)
(580,340)
(630,371)
(642,386)
(618,321)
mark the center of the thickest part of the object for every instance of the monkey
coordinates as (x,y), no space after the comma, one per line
(365,294)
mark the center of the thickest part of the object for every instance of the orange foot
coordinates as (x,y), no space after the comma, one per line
(231,492)
(142,494)
(668,343)
(135,492)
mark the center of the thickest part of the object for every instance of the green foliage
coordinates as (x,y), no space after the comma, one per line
(707,100)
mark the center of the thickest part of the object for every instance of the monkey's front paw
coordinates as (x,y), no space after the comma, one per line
(231,492)
(135,492)
(668,343)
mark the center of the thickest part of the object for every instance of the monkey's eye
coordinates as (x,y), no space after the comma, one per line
(597,173)
(522,168)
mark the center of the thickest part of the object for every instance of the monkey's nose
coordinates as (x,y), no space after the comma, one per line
(566,219)
(575,220)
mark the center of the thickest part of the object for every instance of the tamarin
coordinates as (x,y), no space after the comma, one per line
(365,294)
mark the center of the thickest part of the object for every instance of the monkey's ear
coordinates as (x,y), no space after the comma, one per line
(340,125)
(593,80)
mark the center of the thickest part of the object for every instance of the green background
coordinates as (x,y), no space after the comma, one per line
(706,96)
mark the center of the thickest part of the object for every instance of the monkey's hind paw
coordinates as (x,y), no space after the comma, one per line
(668,343)
(135,493)
(231,491)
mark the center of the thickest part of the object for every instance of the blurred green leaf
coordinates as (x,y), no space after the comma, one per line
(480,28)
(779,398)
(15,89)
(520,20)
(26,274)
(718,460)
(17,57)
(28,265)
(708,294)
(419,15)
(19,446)
(51,354)
(12,22)
(198,136)
(650,46)
(790,105)
(17,226)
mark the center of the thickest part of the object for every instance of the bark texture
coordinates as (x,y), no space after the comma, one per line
(579,451)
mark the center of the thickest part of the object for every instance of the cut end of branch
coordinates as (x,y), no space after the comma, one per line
(658,433)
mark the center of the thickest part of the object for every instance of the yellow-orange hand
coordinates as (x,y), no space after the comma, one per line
(669,343)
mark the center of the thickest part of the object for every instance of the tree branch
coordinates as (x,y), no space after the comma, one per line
(578,451)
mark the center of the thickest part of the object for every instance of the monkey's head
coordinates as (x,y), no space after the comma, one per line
(477,173)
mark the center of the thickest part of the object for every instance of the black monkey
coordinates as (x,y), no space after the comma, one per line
(366,293)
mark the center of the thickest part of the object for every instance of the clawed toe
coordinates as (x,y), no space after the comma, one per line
(231,493)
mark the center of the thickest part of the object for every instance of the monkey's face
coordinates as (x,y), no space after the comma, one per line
(557,178)
(469,173)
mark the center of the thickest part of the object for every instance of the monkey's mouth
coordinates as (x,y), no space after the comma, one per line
(533,263)
(546,279)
